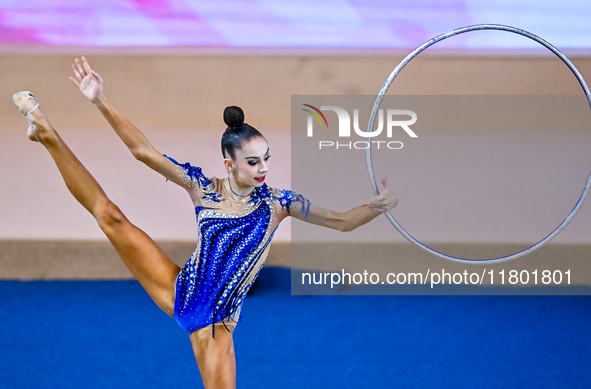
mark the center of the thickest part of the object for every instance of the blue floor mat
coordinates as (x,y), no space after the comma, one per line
(81,334)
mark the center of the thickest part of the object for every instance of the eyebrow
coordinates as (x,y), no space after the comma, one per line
(258,157)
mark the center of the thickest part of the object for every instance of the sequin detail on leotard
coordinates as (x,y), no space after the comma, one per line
(212,285)
(195,176)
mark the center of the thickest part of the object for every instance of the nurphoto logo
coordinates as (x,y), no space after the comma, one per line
(393,120)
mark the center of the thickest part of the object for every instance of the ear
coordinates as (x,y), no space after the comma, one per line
(229,164)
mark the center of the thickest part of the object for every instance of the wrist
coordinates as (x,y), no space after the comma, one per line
(99,101)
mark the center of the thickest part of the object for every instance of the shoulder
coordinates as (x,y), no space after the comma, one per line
(288,200)
(283,196)
(267,192)
(192,173)
(201,188)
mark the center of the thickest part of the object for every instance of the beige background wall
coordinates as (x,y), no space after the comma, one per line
(177,100)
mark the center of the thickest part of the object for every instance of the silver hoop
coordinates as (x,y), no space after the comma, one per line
(382,93)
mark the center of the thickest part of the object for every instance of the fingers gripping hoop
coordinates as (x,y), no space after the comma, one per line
(382,93)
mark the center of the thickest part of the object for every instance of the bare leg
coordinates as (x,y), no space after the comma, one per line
(146,261)
(215,357)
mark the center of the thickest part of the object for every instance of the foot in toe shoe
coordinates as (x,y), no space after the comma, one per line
(26,103)
(21,99)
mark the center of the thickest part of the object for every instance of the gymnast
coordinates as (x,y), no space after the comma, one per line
(236,218)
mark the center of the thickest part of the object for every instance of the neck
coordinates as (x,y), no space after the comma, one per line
(239,192)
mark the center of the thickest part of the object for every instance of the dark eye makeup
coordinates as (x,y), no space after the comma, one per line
(254,162)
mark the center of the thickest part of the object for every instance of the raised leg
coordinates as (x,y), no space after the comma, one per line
(215,357)
(146,261)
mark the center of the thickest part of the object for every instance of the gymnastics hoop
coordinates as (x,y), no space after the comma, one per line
(376,106)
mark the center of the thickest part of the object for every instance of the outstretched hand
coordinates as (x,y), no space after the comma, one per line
(384,202)
(89,81)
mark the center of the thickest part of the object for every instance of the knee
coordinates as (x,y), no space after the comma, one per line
(217,347)
(215,357)
(109,215)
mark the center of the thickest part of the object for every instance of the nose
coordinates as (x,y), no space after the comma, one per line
(264,167)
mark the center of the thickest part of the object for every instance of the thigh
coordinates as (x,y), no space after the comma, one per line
(146,261)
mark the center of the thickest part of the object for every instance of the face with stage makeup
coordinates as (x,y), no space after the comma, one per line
(250,164)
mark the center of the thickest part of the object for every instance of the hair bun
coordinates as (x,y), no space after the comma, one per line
(233,116)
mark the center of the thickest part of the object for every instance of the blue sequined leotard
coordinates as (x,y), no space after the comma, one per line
(233,241)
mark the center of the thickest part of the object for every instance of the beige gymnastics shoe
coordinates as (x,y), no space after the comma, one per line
(21,99)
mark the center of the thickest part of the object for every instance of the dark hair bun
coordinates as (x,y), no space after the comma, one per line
(238,133)
(233,116)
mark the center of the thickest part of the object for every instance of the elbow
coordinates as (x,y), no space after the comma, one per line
(346,227)
(142,155)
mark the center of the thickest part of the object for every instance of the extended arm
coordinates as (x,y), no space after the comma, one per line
(345,221)
(350,220)
(134,139)
(90,84)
